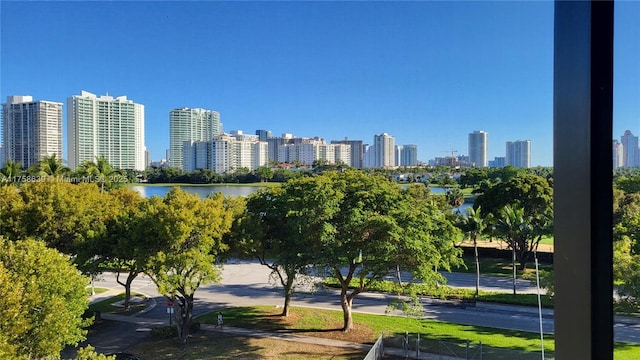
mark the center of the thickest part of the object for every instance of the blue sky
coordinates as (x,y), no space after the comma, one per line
(428,73)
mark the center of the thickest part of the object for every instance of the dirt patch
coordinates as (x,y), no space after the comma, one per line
(224,346)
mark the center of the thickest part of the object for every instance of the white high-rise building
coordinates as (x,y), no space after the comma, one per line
(384,151)
(31,130)
(357,152)
(107,127)
(226,153)
(631,154)
(618,154)
(190,125)
(342,153)
(478,146)
(519,153)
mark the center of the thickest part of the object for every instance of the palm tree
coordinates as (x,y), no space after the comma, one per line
(513,228)
(455,198)
(101,170)
(475,225)
(52,166)
(10,170)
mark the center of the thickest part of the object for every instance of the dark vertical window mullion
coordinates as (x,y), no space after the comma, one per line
(583,93)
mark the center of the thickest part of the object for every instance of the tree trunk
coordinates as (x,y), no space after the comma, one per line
(288,293)
(127,287)
(475,253)
(184,320)
(513,265)
(346,312)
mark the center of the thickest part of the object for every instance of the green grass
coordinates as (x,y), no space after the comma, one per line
(447,292)
(106,307)
(98,290)
(394,327)
(548,240)
(495,267)
(262,317)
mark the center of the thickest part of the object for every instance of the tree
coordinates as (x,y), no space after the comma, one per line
(474,224)
(473,176)
(51,166)
(380,228)
(101,172)
(43,299)
(626,234)
(189,231)
(629,184)
(10,170)
(455,198)
(522,234)
(284,225)
(127,243)
(264,173)
(530,192)
(61,214)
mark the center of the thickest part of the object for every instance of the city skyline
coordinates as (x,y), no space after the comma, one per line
(425,72)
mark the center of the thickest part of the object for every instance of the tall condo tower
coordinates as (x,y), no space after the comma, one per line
(357,151)
(519,153)
(409,155)
(31,130)
(478,145)
(384,151)
(190,125)
(630,152)
(618,154)
(107,127)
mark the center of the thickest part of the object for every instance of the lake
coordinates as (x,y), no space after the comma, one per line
(205,190)
(202,191)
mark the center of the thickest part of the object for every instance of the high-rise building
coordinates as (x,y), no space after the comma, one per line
(630,152)
(384,151)
(497,162)
(409,155)
(478,146)
(519,153)
(225,153)
(618,154)
(357,152)
(107,127)
(190,125)
(263,135)
(31,130)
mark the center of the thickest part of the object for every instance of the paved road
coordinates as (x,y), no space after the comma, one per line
(247,283)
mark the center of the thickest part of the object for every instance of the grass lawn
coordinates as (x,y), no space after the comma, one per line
(327,324)
(106,306)
(496,267)
(98,290)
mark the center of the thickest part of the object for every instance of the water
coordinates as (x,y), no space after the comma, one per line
(202,191)
(235,191)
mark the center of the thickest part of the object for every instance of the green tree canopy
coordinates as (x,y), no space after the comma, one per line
(379,228)
(61,214)
(43,299)
(101,172)
(283,227)
(51,166)
(189,231)
(530,192)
